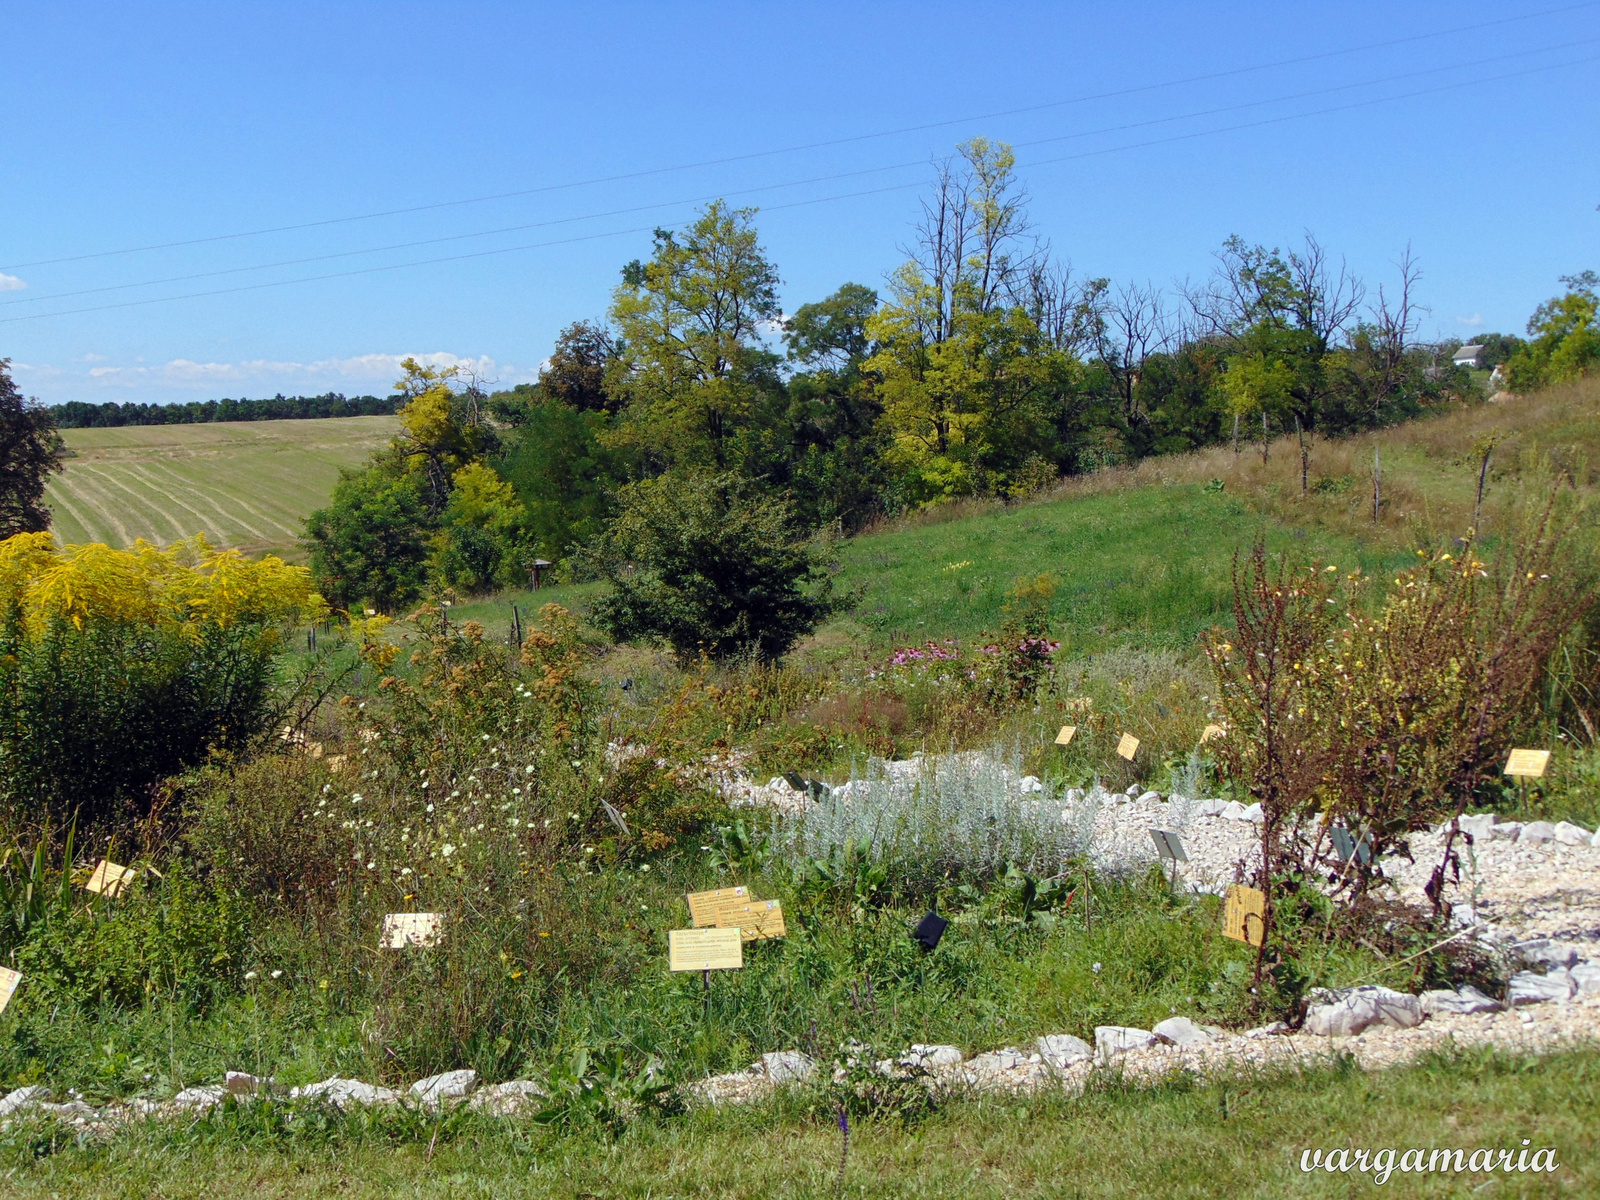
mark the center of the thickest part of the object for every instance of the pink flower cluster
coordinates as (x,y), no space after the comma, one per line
(1029,647)
(924,655)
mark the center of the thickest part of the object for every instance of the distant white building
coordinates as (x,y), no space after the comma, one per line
(1468,356)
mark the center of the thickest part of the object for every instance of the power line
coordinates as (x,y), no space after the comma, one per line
(1309,58)
(251,287)
(802,204)
(751,191)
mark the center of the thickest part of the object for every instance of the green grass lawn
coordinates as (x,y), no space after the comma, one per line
(1243,1138)
(249,484)
(1151,565)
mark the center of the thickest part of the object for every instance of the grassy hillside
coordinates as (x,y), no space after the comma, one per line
(249,484)
(1144,553)
(1151,564)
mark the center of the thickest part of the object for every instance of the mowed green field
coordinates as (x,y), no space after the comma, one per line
(249,484)
(1152,566)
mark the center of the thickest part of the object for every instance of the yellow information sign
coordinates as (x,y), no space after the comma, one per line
(1128,746)
(705,950)
(755,921)
(8,985)
(1211,731)
(411,929)
(705,908)
(1529,764)
(1065,736)
(1244,914)
(109,879)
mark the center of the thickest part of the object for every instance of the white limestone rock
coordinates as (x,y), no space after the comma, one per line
(1110,1040)
(1528,988)
(1537,831)
(449,1085)
(786,1066)
(343,1093)
(928,1056)
(1479,825)
(1061,1050)
(1465,999)
(1506,831)
(1543,952)
(506,1099)
(23,1097)
(1586,978)
(1347,1013)
(200,1098)
(1210,808)
(1253,813)
(1030,783)
(1181,1032)
(1569,834)
(993,1061)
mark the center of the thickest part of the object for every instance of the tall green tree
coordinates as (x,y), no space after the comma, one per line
(1278,315)
(397,525)
(967,379)
(31,451)
(826,445)
(692,369)
(1564,337)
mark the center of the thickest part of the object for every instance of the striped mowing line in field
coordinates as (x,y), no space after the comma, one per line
(253,477)
(59,497)
(163,476)
(205,521)
(105,520)
(144,504)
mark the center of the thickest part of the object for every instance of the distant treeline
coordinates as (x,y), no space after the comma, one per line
(77,415)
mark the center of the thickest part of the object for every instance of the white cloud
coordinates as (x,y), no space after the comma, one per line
(1475,321)
(10,283)
(185,378)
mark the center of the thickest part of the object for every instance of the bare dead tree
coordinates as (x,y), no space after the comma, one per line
(1136,324)
(1390,324)
(1324,300)
(1068,312)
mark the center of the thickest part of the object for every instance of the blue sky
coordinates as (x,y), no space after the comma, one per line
(134,125)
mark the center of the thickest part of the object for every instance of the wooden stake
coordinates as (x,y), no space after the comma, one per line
(1305,456)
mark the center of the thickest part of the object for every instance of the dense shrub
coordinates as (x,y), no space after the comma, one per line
(119,668)
(711,565)
(171,938)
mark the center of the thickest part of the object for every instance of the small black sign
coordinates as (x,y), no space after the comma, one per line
(929,930)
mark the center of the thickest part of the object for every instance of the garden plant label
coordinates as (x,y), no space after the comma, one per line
(705,950)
